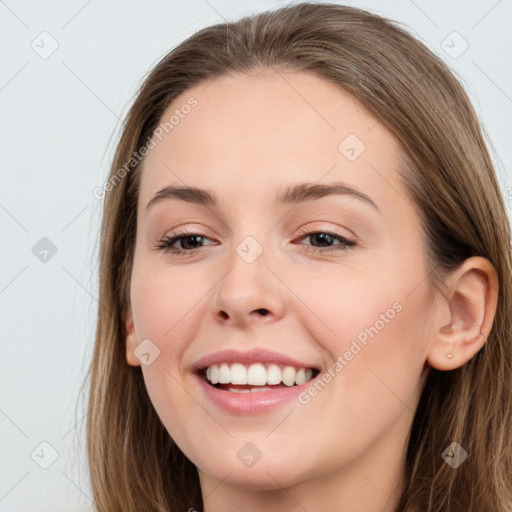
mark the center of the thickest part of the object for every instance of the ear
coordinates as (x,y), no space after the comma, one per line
(131,340)
(469,302)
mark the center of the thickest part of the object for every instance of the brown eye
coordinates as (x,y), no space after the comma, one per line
(189,243)
(321,239)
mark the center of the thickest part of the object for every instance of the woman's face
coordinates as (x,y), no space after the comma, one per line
(269,270)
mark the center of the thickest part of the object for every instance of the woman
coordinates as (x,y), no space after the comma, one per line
(305,280)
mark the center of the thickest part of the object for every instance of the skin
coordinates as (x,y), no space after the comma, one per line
(246,140)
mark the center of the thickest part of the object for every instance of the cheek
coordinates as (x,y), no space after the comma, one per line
(165,306)
(370,322)
(373,332)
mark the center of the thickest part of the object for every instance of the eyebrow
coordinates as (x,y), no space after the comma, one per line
(293,194)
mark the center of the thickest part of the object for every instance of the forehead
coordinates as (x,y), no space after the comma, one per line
(248,135)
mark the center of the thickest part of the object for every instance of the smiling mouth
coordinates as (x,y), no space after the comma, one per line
(242,378)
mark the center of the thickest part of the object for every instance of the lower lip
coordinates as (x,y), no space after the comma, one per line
(253,402)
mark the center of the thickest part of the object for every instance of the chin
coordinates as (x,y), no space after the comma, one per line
(258,478)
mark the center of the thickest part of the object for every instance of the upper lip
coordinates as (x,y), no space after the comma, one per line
(255,355)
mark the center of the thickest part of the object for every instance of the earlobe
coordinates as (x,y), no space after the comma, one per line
(131,341)
(470,304)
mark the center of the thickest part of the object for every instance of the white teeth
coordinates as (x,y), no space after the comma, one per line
(238,374)
(300,378)
(224,374)
(235,390)
(273,374)
(215,374)
(257,375)
(289,376)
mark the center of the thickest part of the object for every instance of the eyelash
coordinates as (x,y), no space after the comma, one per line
(166,243)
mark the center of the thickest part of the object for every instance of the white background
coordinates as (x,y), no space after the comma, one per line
(59,120)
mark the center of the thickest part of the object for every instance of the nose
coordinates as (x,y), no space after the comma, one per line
(247,292)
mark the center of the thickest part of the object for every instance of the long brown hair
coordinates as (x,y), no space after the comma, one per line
(134,464)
